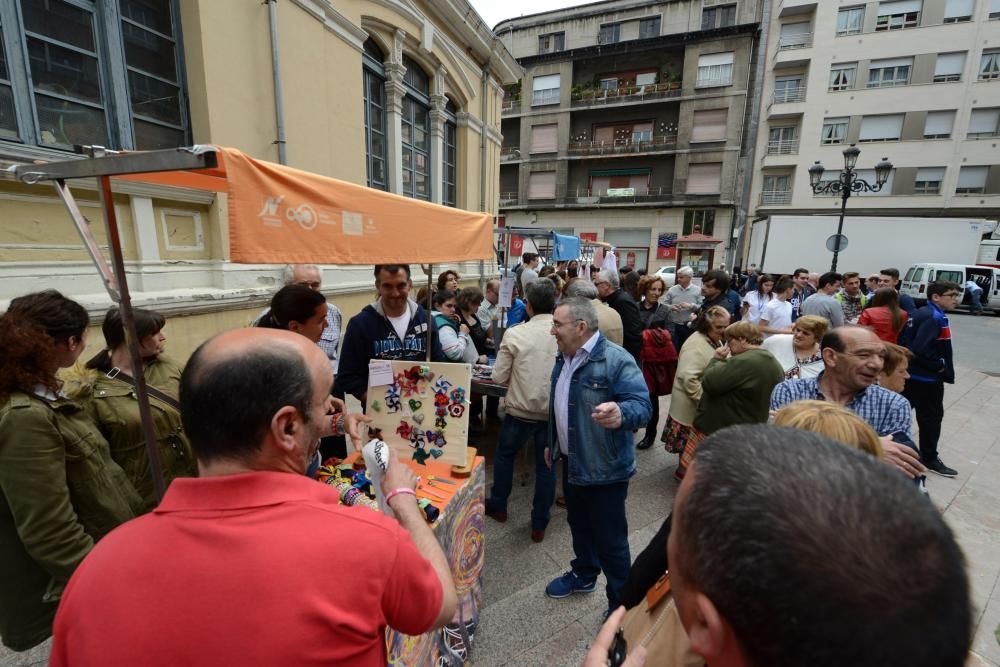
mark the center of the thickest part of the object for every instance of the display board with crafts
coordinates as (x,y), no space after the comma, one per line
(422,409)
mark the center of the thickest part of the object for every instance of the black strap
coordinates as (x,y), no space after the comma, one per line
(151,390)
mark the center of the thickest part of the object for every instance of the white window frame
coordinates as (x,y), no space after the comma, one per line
(939,121)
(969,180)
(945,70)
(854,22)
(843,76)
(890,73)
(898,15)
(980,125)
(545,95)
(928,180)
(836,128)
(989,65)
(959,11)
(789,94)
(715,69)
(883,119)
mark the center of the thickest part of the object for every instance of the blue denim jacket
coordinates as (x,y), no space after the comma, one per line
(599,455)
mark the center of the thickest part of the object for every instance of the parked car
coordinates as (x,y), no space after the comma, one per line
(918,276)
(669,275)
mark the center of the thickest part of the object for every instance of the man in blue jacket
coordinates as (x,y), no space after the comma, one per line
(598,396)
(394,327)
(929,340)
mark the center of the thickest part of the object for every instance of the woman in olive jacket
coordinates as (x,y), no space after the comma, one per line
(60,491)
(106,390)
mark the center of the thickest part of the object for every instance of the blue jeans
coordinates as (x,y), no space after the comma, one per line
(596,516)
(975,301)
(514,432)
(681,333)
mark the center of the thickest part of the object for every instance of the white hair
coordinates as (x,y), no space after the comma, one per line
(609,276)
(288,273)
(581,287)
(685,271)
(582,310)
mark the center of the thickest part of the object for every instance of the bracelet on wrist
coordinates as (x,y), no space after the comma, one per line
(338,423)
(397,492)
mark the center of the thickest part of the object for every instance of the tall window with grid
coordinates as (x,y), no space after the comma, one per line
(373,75)
(416,132)
(449,180)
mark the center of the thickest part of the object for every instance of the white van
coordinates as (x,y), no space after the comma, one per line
(918,276)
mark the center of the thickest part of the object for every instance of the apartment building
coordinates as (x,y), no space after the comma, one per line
(914,81)
(628,123)
(404,97)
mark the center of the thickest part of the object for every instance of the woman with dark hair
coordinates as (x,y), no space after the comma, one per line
(466,304)
(297,308)
(456,342)
(106,390)
(448,280)
(884,316)
(659,358)
(755,300)
(630,283)
(60,490)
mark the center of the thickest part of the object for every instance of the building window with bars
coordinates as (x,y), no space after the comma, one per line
(834,131)
(777,189)
(850,21)
(108,74)
(699,220)
(720,16)
(889,73)
(649,27)
(373,80)
(788,89)
(552,42)
(416,132)
(842,76)
(609,33)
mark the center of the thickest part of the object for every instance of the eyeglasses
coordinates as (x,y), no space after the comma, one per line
(598,283)
(310,285)
(556,324)
(953,295)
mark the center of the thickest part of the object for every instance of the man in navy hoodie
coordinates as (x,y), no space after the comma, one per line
(930,341)
(394,327)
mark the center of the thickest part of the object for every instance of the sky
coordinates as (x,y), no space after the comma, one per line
(494,11)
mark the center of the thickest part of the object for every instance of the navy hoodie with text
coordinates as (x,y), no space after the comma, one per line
(370,335)
(929,340)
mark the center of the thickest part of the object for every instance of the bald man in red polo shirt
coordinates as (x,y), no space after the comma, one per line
(252,562)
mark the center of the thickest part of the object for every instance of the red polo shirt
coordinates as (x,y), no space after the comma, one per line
(261,568)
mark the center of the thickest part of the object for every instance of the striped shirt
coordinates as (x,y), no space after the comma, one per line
(885,411)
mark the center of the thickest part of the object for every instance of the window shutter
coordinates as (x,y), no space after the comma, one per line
(709,125)
(939,122)
(599,185)
(881,127)
(995,7)
(544,138)
(605,135)
(954,8)
(949,63)
(930,174)
(984,121)
(899,7)
(891,62)
(972,177)
(645,79)
(542,185)
(704,179)
(640,182)
(716,59)
(546,82)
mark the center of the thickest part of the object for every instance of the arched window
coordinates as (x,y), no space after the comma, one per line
(450,176)
(374,97)
(416,137)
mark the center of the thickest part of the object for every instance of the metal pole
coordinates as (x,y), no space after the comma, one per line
(128,322)
(846,183)
(430,304)
(279,104)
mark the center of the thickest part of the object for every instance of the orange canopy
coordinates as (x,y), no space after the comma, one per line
(280,215)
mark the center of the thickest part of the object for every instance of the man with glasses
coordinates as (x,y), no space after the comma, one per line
(597,396)
(929,340)
(852,359)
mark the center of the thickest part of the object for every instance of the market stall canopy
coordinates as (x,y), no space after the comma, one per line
(279,215)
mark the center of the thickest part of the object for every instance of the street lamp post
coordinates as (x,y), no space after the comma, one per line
(847,183)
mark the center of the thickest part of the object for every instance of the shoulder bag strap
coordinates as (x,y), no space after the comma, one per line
(150,389)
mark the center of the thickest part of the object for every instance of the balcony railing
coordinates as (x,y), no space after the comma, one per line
(508,153)
(595,197)
(772,197)
(547,96)
(624,146)
(511,104)
(788,95)
(799,41)
(592,96)
(508,199)
(783,147)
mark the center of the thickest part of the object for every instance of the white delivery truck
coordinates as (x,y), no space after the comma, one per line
(782,243)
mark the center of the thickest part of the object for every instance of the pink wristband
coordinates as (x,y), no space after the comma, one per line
(395,492)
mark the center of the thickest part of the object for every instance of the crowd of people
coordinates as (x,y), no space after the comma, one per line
(585,360)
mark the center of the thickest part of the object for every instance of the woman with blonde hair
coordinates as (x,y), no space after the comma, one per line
(833,421)
(695,355)
(798,352)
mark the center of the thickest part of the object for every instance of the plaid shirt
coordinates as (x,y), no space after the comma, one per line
(885,411)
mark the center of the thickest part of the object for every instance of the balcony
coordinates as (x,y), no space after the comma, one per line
(663,142)
(796,7)
(586,198)
(798,41)
(775,197)
(508,199)
(592,97)
(510,153)
(787,102)
(782,147)
(511,105)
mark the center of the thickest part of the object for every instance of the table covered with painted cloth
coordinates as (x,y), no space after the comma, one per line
(461,531)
